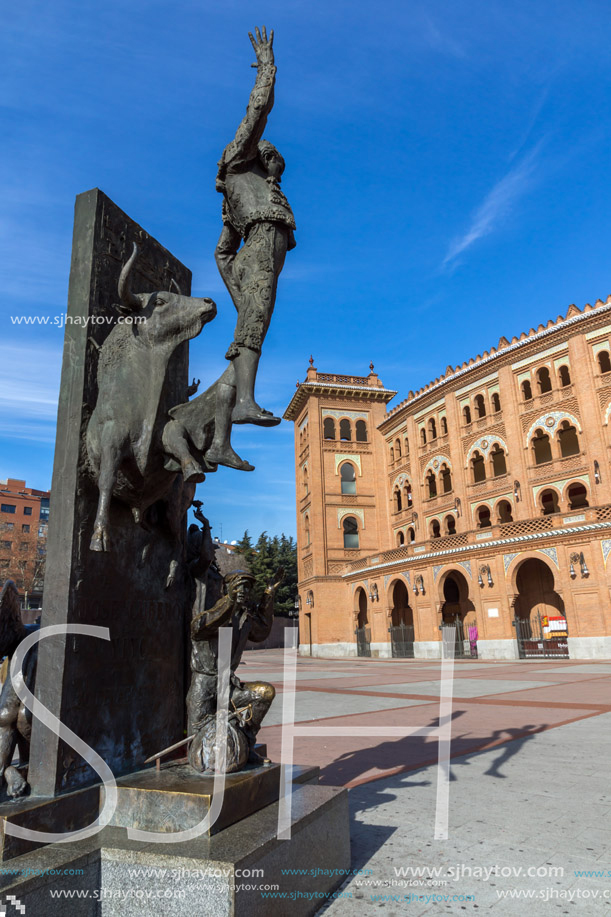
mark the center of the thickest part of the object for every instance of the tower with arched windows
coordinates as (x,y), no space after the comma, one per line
(340,469)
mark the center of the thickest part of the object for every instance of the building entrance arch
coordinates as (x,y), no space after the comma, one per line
(540,618)
(362,630)
(458,611)
(401,628)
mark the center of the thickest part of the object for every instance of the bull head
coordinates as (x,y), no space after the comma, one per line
(131,301)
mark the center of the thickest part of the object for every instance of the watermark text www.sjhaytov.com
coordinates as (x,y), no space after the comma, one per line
(59,321)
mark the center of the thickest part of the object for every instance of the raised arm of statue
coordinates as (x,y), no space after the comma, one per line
(244,145)
(207,623)
(263,617)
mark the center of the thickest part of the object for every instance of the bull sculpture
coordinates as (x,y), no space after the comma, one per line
(124,433)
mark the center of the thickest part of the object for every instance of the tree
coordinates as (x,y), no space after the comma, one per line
(264,558)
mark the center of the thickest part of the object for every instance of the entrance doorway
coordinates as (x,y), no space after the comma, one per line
(458,612)
(540,619)
(401,628)
(363,631)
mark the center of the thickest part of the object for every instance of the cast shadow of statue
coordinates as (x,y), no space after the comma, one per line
(414,754)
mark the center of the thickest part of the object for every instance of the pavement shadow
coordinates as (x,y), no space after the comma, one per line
(411,753)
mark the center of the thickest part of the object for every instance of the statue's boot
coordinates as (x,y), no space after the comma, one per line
(246,409)
(221,451)
(229,458)
(193,472)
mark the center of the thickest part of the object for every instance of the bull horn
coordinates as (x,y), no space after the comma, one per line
(127,297)
(175,285)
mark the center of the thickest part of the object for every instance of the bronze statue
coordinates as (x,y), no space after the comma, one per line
(123,435)
(255,212)
(15,718)
(248,701)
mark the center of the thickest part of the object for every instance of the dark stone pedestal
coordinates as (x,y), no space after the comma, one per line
(241,872)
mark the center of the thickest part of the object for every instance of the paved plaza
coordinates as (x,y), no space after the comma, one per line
(530,801)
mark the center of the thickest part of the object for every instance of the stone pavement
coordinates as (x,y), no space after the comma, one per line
(529,792)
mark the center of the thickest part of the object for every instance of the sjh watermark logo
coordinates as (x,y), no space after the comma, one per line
(289,731)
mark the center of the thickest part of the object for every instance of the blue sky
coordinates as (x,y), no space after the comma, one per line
(447,164)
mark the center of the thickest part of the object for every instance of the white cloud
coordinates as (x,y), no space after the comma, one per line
(496,205)
(29,386)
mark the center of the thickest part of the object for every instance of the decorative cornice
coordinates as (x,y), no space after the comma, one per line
(519,539)
(306,389)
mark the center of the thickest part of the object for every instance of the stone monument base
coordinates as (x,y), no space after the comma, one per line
(243,871)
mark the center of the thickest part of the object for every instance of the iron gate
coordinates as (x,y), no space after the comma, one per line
(402,640)
(533,642)
(462,647)
(363,641)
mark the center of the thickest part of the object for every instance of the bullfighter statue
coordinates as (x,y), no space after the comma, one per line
(248,701)
(257,214)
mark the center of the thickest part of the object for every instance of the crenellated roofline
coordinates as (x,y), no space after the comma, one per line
(573,316)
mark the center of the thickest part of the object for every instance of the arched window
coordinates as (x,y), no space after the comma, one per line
(446,479)
(499,465)
(549,502)
(496,402)
(432,429)
(450,525)
(527,391)
(397,448)
(392,454)
(604,361)
(478,467)
(345,431)
(578,496)
(406,441)
(397,500)
(435,529)
(544,381)
(328,428)
(432,484)
(351,532)
(541,448)
(407,495)
(423,437)
(567,437)
(411,535)
(361,431)
(483,517)
(348,478)
(503,509)
(466,413)
(305,480)
(480,405)
(400,539)
(306,526)
(565,376)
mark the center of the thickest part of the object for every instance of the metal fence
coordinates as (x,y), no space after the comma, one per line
(363,641)
(533,642)
(402,640)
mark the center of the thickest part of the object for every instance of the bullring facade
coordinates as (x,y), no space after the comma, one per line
(481,502)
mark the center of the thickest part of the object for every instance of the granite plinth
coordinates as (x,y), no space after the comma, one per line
(238,872)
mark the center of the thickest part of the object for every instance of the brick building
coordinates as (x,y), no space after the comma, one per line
(482,502)
(24,516)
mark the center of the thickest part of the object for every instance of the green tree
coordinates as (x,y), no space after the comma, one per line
(264,558)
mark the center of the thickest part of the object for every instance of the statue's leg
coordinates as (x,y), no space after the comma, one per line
(9,711)
(258,695)
(175,443)
(258,265)
(221,451)
(110,458)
